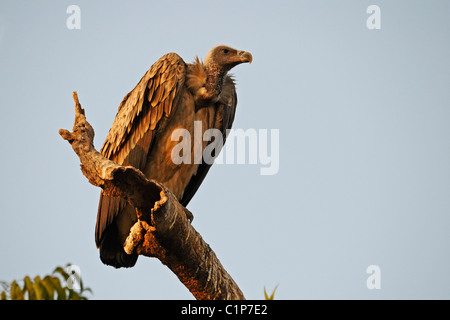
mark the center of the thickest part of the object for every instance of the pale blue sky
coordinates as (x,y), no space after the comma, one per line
(363,117)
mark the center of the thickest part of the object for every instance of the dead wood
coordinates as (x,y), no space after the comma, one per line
(163,229)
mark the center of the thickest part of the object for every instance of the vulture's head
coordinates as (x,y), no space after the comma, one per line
(224,58)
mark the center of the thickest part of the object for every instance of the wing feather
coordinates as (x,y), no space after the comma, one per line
(140,112)
(157,95)
(167,103)
(226,108)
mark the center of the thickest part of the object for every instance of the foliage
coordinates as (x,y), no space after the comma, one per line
(48,288)
(266,296)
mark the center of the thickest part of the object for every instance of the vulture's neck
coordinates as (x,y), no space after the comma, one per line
(206,82)
(215,78)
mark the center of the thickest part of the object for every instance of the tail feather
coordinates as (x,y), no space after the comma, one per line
(114,220)
(112,252)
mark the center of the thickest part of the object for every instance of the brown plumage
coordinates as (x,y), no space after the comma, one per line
(171,95)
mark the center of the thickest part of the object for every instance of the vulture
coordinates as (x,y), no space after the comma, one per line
(171,95)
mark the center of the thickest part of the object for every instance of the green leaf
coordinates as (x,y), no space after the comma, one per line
(62,272)
(38,289)
(61,293)
(49,287)
(28,287)
(16,293)
(266,296)
(73,295)
(88,290)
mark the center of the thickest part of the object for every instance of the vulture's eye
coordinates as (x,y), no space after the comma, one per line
(225,51)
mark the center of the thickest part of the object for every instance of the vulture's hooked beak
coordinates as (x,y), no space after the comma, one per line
(245,56)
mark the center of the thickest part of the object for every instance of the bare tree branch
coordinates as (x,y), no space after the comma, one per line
(163,230)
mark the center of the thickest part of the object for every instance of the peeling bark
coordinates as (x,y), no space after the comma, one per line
(163,229)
